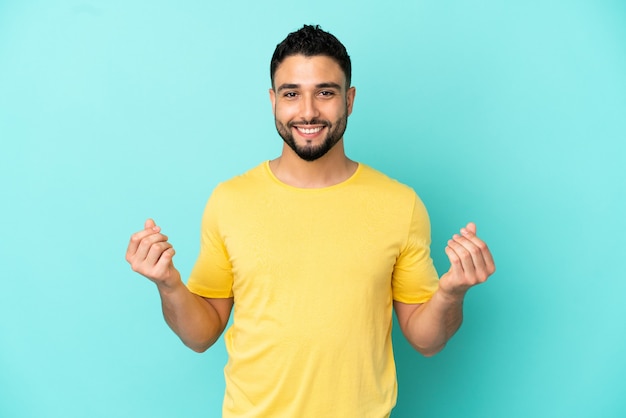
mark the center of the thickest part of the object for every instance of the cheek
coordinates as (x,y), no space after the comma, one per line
(341,110)
(284,112)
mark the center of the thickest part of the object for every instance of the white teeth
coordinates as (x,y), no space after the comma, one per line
(309,130)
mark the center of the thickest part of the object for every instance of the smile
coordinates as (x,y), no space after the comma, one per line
(309,131)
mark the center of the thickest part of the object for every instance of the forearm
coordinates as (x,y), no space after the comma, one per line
(197,321)
(192,318)
(432,324)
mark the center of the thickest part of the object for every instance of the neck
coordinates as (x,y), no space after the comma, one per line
(333,168)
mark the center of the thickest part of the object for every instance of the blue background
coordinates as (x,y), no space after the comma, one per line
(511,114)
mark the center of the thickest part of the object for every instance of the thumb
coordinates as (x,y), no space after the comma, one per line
(471,227)
(149,224)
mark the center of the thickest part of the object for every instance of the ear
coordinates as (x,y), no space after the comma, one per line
(350,94)
(273,100)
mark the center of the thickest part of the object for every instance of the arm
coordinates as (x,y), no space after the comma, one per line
(196,320)
(429,326)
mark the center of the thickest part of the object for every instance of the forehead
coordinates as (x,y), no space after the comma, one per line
(300,69)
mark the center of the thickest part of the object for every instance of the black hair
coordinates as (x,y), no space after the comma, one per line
(311,41)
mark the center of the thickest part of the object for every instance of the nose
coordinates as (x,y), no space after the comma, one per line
(308,108)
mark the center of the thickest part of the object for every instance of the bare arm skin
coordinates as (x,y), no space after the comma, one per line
(198,321)
(430,325)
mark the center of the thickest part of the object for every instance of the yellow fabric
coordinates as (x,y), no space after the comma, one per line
(313,273)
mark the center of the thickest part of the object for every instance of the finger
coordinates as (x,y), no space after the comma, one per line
(474,246)
(146,243)
(480,257)
(484,249)
(165,261)
(135,241)
(150,224)
(471,227)
(455,262)
(155,252)
(464,254)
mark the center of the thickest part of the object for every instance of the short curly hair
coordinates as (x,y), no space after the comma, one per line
(311,41)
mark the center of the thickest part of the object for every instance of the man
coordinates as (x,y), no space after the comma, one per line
(313,250)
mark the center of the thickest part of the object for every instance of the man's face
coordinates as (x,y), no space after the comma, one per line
(311,104)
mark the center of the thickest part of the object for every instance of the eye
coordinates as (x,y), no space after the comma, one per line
(326,93)
(290,94)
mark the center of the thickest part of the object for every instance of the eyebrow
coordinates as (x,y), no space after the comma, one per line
(319,86)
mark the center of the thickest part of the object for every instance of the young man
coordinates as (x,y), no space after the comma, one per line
(314,250)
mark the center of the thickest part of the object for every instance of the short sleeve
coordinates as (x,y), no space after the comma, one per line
(414,277)
(212,276)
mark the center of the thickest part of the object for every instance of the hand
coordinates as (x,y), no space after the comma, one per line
(150,254)
(471,262)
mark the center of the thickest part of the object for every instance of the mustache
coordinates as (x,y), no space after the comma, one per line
(304,122)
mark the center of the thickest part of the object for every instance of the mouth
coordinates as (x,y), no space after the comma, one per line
(308,130)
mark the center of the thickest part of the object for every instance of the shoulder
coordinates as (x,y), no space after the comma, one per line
(382,184)
(235,193)
(392,194)
(243,183)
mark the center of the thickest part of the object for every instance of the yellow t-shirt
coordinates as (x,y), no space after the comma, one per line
(313,273)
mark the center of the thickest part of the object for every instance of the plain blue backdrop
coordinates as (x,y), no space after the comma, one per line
(510,114)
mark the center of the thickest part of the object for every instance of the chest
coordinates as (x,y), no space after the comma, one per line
(314,245)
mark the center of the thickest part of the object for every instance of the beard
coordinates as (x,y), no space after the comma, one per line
(310,152)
